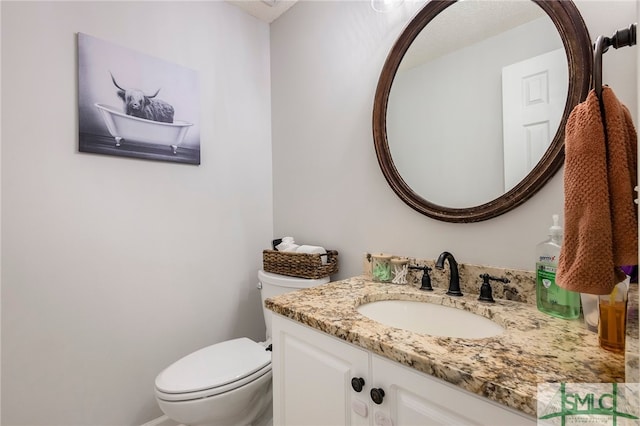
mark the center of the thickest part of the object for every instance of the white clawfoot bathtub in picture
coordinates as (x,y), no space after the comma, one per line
(125,127)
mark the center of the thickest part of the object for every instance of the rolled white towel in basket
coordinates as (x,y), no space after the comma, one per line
(313,250)
(287,244)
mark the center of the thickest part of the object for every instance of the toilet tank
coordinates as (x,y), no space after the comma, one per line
(274,284)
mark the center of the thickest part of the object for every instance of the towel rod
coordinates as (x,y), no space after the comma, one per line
(621,38)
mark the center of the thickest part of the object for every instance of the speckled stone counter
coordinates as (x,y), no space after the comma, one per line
(534,348)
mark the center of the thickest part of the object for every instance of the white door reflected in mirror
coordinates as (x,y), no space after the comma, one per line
(533,99)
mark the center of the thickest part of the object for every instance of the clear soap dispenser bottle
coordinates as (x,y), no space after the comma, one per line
(550,298)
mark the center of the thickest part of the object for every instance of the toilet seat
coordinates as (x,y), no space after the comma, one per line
(213,370)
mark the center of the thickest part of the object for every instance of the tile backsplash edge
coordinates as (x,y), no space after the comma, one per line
(521,286)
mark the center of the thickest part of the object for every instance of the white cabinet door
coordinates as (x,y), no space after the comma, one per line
(413,399)
(312,375)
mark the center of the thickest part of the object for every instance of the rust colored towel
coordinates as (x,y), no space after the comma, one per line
(601,226)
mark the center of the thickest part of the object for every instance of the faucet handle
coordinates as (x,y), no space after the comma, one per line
(485,290)
(426,278)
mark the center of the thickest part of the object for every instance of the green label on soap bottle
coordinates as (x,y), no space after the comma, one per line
(547,278)
(552,299)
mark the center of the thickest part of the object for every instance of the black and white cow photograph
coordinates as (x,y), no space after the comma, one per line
(134,105)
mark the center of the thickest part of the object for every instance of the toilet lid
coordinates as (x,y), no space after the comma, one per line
(214,366)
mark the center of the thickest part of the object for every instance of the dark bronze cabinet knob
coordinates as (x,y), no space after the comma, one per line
(357,383)
(377,395)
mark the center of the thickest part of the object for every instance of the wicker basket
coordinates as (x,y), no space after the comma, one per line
(301,265)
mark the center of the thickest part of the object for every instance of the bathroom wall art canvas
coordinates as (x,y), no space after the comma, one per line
(134,105)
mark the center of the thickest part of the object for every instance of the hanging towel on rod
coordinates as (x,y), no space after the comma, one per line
(600,217)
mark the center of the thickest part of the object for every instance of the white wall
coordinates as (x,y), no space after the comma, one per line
(0,225)
(328,189)
(113,268)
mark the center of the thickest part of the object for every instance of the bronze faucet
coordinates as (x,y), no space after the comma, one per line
(454,278)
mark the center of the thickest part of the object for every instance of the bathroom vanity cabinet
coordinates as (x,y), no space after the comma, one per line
(312,385)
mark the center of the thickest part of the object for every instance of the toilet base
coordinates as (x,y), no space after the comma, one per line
(240,407)
(266,417)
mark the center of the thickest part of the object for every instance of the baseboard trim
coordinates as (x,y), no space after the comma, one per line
(161,421)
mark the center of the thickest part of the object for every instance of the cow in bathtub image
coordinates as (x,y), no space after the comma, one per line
(144,119)
(137,104)
(131,120)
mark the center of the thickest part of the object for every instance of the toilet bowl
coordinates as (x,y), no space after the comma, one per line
(224,384)
(228,383)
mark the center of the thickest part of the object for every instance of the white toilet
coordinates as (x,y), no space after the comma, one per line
(229,383)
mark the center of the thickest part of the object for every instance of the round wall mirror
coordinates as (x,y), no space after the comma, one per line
(472,101)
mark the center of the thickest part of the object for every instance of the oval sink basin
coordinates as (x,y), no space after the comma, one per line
(429,318)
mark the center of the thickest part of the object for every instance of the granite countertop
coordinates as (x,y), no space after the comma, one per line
(534,348)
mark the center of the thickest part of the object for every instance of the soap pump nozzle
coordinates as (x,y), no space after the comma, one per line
(555,231)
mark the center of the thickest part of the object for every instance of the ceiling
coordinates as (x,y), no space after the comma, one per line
(265,10)
(480,20)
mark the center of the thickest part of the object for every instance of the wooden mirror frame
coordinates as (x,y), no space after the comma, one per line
(577,45)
